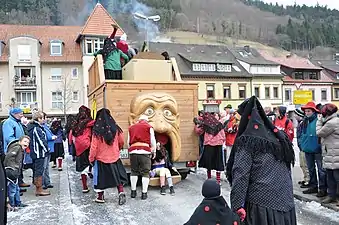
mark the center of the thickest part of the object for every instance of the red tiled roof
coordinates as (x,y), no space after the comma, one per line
(100,23)
(293,61)
(66,34)
(324,78)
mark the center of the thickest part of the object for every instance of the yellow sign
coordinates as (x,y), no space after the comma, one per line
(302,97)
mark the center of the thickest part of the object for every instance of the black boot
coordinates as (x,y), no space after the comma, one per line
(144,196)
(311,191)
(172,192)
(122,198)
(133,193)
(163,191)
(322,193)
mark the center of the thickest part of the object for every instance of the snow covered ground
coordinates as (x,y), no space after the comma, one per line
(69,206)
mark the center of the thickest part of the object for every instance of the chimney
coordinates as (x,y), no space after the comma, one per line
(247,48)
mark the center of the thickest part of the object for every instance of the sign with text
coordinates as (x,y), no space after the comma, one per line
(302,97)
(212,101)
(124,153)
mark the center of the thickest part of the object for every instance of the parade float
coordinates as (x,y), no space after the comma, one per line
(151,86)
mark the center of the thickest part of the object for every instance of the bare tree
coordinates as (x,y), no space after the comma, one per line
(66,91)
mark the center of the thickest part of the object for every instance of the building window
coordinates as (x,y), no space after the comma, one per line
(93,45)
(242,92)
(25,98)
(298,75)
(75,96)
(275,92)
(267,93)
(257,92)
(56,74)
(336,93)
(57,100)
(24,52)
(323,95)
(313,76)
(288,96)
(196,67)
(227,92)
(24,76)
(75,74)
(313,94)
(224,68)
(56,48)
(210,91)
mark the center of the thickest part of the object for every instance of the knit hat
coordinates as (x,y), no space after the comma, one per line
(299,112)
(14,111)
(143,117)
(229,106)
(329,110)
(211,189)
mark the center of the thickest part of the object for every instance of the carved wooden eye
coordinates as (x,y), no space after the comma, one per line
(167,112)
(149,111)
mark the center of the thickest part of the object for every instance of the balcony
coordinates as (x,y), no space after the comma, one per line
(24,83)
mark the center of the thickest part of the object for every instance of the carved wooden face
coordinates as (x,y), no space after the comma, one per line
(162,112)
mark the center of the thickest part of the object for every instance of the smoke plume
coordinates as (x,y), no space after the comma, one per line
(131,7)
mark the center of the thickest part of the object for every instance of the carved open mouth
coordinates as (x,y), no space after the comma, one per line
(166,141)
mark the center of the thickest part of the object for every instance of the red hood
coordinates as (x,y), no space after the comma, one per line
(91,123)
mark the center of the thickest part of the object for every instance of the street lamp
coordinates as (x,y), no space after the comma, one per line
(154,18)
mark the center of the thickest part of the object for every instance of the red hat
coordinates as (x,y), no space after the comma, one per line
(310,105)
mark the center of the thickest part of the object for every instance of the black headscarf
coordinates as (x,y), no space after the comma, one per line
(69,124)
(81,121)
(257,133)
(55,126)
(105,126)
(211,125)
(109,47)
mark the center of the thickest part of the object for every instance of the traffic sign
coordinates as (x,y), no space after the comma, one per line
(301,97)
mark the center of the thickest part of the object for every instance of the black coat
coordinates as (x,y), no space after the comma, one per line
(213,211)
(3,194)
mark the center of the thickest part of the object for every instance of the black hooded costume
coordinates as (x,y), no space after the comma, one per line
(213,209)
(259,169)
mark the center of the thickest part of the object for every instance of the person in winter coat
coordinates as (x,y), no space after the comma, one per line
(213,209)
(299,116)
(214,138)
(312,148)
(38,150)
(13,164)
(59,151)
(46,180)
(82,135)
(328,131)
(13,129)
(111,55)
(283,123)
(260,167)
(108,170)
(197,121)
(231,133)
(68,127)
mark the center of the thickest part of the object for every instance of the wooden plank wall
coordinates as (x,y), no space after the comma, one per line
(96,73)
(120,94)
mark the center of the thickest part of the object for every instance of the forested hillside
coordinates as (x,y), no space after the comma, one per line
(317,25)
(292,27)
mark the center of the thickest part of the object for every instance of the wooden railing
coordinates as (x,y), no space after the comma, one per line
(96,74)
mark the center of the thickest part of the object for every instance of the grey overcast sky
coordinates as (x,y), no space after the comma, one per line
(334,4)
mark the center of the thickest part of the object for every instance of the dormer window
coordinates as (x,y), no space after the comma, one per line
(56,48)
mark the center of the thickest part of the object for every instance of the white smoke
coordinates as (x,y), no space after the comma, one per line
(131,7)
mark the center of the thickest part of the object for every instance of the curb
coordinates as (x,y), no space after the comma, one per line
(302,197)
(65,210)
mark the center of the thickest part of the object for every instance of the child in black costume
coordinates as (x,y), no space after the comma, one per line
(213,209)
